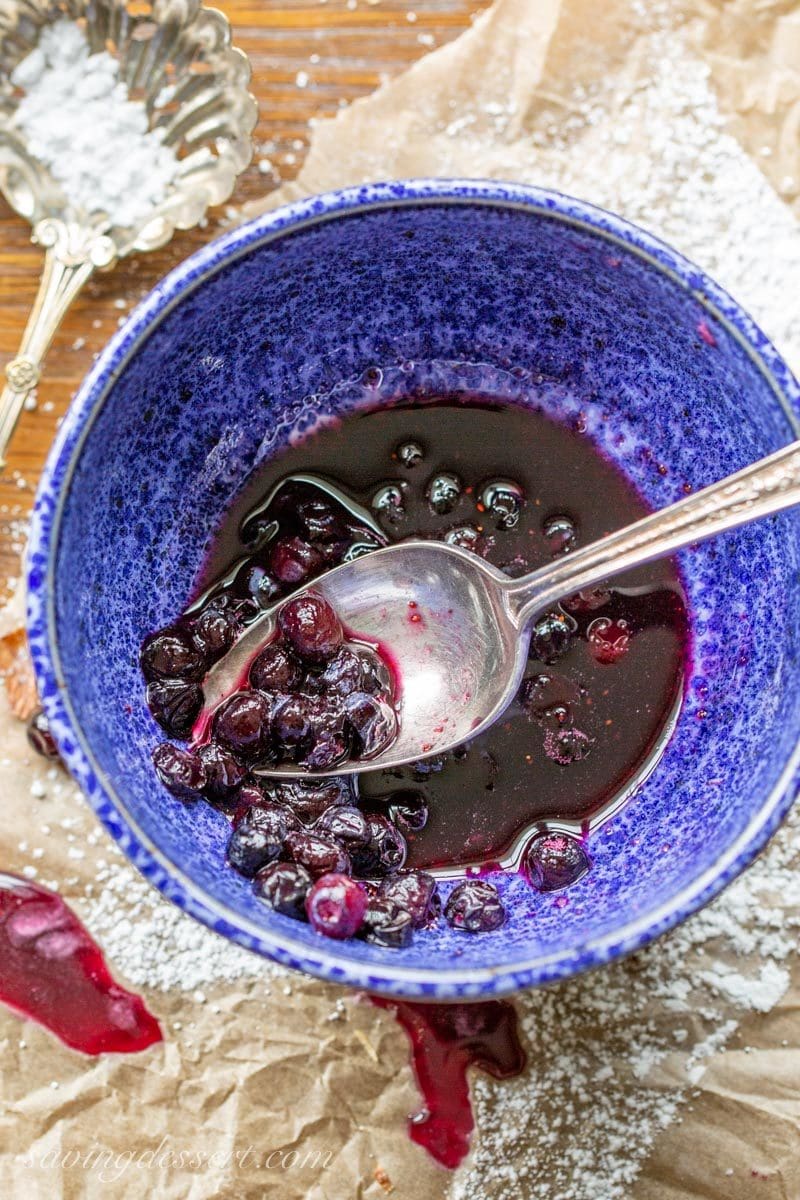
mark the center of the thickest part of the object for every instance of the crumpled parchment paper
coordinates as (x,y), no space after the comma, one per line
(672,1076)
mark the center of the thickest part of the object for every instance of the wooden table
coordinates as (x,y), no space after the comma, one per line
(345,48)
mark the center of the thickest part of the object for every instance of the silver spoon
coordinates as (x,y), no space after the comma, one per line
(459,666)
(178,61)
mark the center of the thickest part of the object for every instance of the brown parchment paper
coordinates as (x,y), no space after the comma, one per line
(269,1084)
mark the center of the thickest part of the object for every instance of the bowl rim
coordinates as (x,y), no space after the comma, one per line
(331,961)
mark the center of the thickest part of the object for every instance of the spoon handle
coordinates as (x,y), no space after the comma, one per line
(767,486)
(72,254)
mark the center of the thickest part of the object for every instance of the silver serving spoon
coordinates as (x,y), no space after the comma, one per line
(460,664)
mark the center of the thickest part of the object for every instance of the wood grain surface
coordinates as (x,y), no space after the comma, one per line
(308,60)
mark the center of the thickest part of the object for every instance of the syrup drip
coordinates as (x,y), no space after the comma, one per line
(53,972)
(447,1039)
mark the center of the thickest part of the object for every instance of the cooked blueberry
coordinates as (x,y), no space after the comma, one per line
(40,737)
(242,724)
(262,588)
(551,636)
(372,721)
(388,502)
(408,810)
(466,537)
(554,861)
(335,906)
(410,454)
(224,775)
(291,723)
(343,674)
(329,749)
(248,796)
(384,853)
(416,892)
(175,705)
(275,670)
(171,655)
(284,886)
(502,499)
(474,906)
(560,533)
(311,627)
(250,848)
(319,855)
(181,771)
(346,823)
(387,924)
(443,492)
(567,746)
(214,632)
(294,560)
(319,521)
(310,800)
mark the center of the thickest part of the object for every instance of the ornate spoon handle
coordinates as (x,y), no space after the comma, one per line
(72,254)
(767,486)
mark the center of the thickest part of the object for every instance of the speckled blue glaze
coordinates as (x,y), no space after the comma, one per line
(270,329)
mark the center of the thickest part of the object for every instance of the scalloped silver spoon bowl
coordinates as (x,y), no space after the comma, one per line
(177,59)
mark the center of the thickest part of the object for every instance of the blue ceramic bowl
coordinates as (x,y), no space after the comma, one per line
(271,328)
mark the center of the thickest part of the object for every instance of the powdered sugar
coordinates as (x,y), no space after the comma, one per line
(77,119)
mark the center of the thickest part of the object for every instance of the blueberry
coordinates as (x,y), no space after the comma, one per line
(502,499)
(40,737)
(346,823)
(214,632)
(258,837)
(319,855)
(551,636)
(224,775)
(318,520)
(310,800)
(444,492)
(175,705)
(410,454)
(335,906)
(416,892)
(387,924)
(294,560)
(330,749)
(181,771)
(275,670)
(474,906)
(388,502)
(242,724)
(555,860)
(567,746)
(171,654)
(373,722)
(261,587)
(345,673)
(384,853)
(249,795)
(291,721)
(408,810)
(466,537)
(311,628)
(284,886)
(560,533)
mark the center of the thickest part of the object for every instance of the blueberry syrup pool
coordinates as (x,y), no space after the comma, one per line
(53,972)
(597,703)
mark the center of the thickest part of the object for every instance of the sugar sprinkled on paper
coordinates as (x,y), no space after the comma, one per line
(77,119)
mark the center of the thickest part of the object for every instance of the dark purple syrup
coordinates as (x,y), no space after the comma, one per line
(605,671)
(446,1040)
